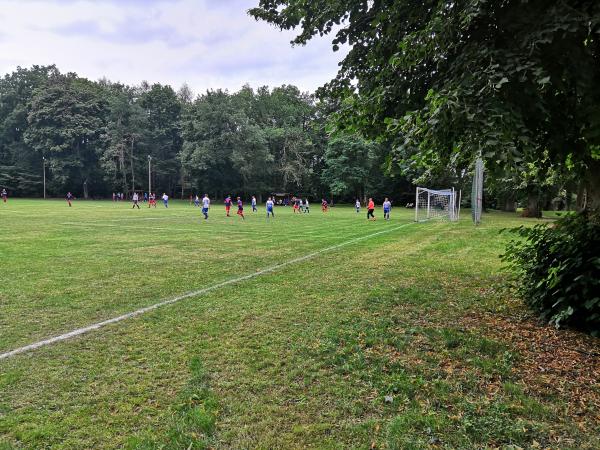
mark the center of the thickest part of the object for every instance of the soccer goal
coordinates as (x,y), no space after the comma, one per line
(436,204)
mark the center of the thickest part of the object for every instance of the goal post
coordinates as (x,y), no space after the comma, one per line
(477,192)
(436,204)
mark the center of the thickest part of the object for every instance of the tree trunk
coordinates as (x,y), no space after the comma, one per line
(581,196)
(568,200)
(592,180)
(509,204)
(533,204)
(85,190)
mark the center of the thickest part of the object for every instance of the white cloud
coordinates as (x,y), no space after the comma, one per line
(208,44)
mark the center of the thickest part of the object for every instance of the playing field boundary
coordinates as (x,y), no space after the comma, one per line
(199,292)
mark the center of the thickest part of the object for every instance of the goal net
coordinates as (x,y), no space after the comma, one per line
(435,204)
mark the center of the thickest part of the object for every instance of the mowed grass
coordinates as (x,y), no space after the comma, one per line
(360,346)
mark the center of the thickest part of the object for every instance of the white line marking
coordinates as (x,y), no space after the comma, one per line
(84,330)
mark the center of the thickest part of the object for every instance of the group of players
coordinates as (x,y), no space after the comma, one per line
(299,205)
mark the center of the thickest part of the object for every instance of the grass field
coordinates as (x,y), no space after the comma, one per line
(389,335)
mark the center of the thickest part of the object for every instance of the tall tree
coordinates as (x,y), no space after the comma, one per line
(67,123)
(20,165)
(349,165)
(163,133)
(125,156)
(207,131)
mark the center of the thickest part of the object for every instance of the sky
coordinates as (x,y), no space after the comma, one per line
(208,44)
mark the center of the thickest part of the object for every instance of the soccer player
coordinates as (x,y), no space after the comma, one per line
(205,206)
(152,200)
(165,198)
(135,199)
(270,205)
(324,205)
(240,206)
(254,204)
(357,206)
(4,195)
(196,200)
(387,206)
(227,204)
(306,206)
(69,198)
(371,209)
(145,197)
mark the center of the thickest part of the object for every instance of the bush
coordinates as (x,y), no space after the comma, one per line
(557,270)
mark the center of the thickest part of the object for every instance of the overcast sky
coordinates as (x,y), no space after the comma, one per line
(206,43)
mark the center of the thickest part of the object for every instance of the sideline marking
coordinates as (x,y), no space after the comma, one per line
(199,292)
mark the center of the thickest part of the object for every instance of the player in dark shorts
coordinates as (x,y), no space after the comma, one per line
(4,195)
(371,210)
(69,198)
(324,205)
(135,199)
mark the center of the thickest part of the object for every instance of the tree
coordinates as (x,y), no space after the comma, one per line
(185,94)
(252,142)
(67,123)
(287,117)
(349,165)
(162,132)
(450,80)
(207,129)
(20,164)
(124,158)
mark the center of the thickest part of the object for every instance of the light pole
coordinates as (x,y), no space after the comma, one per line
(149,175)
(44,164)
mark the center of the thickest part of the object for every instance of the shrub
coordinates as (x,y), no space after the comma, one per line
(557,270)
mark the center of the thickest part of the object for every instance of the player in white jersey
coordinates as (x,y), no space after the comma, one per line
(270,204)
(205,206)
(135,199)
(387,206)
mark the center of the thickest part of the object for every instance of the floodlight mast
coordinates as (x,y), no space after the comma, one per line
(149,175)
(44,168)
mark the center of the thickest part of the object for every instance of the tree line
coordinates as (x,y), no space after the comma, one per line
(98,137)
